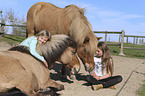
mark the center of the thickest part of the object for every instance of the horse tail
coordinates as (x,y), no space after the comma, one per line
(14,92)
(5,87)
(31,19)
(20,48)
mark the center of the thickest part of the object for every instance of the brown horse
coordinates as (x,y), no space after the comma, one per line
(70,21)
(22,71)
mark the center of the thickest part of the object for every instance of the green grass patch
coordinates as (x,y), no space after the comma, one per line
(12,40)
(133,53)
(141,91)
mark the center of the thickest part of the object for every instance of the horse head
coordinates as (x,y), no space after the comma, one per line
(86,54)
(60,48)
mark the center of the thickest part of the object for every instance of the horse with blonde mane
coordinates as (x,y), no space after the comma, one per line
(70,21)
(21,70)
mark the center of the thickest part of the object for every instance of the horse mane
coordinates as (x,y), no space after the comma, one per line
(53,49)
(80,28)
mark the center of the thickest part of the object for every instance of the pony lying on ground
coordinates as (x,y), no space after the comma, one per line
(22,71)
(69,21)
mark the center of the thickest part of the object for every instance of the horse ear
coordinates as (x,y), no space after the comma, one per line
(98,38)
(86,40)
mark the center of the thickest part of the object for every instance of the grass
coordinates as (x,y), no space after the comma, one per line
(133,53)
(141,90)
(12,40)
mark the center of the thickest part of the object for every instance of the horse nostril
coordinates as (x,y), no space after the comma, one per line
(74,52)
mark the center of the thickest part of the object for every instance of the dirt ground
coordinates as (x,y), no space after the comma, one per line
(132,70)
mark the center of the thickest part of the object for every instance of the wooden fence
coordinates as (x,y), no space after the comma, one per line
(2,31)
(135,38)
(121,36)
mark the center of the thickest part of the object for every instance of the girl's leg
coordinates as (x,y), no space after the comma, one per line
(90,79)
(96,84)
(108,82)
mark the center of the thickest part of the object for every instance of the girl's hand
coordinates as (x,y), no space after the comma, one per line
(95,76)
(45,63)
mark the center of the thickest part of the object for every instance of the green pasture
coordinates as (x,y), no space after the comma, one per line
(141,91)
(133,53)
(12,40)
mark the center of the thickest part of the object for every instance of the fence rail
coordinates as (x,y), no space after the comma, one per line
(127,36)
(16,31)
(16,25)
(121,36)
(134,48)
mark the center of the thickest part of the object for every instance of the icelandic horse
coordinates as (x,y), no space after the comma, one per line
(69,21)
(19,69)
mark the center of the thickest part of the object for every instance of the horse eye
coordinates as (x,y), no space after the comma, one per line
(70,43)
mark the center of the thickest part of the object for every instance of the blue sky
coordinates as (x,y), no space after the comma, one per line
(110,15)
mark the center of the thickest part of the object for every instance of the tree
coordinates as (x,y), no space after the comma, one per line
(11,17)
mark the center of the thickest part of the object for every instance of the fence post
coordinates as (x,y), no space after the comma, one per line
(127,40)
(122,41)
(137,40)
(119,37)
(2,25)
(134,40)
(106,37)
(142,41)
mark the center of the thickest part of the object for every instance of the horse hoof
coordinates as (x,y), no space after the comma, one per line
(50,91)
(61,88)
(73,77)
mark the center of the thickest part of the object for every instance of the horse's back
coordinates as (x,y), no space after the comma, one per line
(46,16)
(13,74)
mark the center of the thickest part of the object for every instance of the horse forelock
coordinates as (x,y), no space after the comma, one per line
(91,47)
(53,49)
(80,28)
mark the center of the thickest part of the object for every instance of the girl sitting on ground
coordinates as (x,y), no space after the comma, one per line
(101,76)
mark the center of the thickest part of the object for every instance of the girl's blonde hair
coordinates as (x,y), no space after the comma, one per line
(106,57)
(45,33)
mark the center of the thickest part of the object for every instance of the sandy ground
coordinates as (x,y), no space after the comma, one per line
(132,70)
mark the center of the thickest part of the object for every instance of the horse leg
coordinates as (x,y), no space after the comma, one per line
(50,91)
(63,72)
(73,70)
(52,83)
(72,74)
(74,66)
